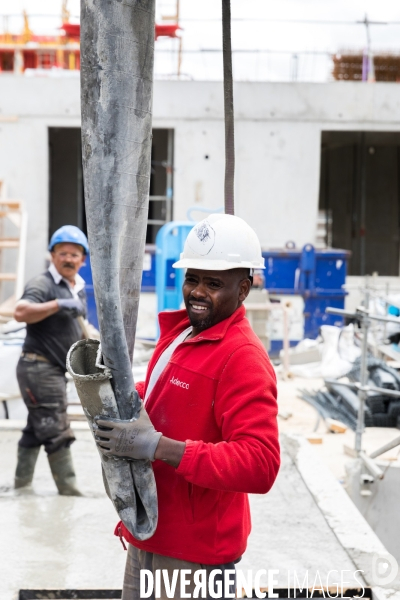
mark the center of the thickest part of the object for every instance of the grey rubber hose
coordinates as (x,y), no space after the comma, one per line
(117,57)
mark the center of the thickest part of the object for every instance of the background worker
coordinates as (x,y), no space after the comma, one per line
(50,306)
(210,416)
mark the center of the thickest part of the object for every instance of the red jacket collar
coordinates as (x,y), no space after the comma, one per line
(173,322)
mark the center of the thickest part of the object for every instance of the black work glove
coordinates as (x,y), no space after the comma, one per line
(73,306)
(134,439)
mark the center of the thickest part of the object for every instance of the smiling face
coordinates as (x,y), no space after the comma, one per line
(212,296)
(68,259)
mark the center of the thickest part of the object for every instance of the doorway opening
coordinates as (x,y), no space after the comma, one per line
(161,182)
(360,197)
(66,188)
(66,205)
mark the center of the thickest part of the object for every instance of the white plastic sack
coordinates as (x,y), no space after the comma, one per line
(338,354)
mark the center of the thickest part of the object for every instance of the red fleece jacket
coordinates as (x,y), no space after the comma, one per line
(217,393)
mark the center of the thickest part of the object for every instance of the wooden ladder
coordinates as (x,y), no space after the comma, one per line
(13,230)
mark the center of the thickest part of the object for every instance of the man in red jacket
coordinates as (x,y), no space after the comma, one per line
(209,422)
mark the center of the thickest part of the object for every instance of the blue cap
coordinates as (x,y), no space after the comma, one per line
(69,234)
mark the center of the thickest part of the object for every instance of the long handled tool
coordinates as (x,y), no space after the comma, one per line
(117,57)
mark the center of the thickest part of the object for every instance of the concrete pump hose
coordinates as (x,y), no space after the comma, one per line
(117,59)
(228,105)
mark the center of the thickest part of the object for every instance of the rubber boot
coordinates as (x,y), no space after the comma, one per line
(63,472)
(27,458)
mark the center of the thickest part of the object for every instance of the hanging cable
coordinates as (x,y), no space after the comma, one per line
(228,107)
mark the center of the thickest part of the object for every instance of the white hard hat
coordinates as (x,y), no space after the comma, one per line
(221,242)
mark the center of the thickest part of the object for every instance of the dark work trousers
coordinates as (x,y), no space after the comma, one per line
(137,560)
(44,391)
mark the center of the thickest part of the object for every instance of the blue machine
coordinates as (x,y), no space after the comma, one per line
(316,275)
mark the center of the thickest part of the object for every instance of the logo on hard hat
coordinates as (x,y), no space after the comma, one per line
(204,240)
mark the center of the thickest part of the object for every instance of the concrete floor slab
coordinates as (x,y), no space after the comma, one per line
(52,542)
(290,533)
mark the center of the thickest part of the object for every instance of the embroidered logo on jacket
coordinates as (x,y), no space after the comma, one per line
(182,384)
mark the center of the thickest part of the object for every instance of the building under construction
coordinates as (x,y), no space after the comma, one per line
(326,154)
(348,66)
(317,166)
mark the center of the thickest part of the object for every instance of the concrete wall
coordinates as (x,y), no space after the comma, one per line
(28,107)
(379,286)
(278,131)
(381,508)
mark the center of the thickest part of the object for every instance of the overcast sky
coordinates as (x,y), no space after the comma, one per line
(273,25)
